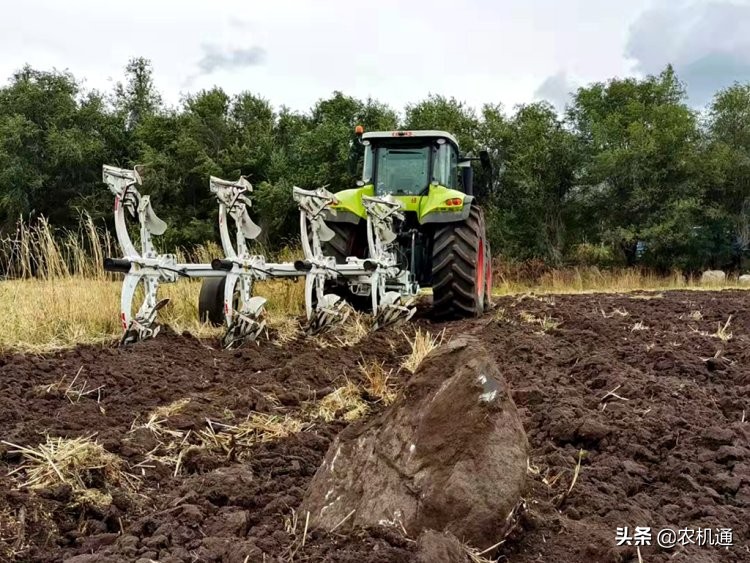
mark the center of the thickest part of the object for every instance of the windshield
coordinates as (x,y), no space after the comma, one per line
(407,168)
(402,170)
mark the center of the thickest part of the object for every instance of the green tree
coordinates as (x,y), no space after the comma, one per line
(641,146)
(445,114)
(53,139)
(539,159)
(138,97)
(726,165)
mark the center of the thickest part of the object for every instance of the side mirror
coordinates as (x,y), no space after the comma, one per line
(488,175)
(467,180)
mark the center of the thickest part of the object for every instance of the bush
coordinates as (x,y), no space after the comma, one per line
(600,255)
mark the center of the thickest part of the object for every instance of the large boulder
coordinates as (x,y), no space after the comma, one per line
(713,277)
(744,279)
(450,455)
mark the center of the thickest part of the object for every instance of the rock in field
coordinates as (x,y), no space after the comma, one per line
(744,279)
(713,277)
(450,455)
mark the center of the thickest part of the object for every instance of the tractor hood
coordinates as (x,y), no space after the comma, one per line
(440,205)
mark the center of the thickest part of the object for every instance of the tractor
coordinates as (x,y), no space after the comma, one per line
(415,206)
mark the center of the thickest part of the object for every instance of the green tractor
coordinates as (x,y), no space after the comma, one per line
(441,239)
(411,222)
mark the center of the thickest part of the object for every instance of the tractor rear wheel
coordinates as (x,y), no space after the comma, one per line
(459,269)
(211,301)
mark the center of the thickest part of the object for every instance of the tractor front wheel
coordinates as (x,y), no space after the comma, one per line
(459,268)
(347,242)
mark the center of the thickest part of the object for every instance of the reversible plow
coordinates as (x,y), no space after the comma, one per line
(229,281)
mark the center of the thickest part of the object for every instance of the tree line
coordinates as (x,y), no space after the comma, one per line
(629,174)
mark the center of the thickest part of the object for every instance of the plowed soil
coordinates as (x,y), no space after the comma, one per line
(635,407)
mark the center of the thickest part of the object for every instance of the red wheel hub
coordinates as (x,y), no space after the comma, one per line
(480,269)
(488,277)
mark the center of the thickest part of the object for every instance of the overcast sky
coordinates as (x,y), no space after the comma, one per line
(294,52)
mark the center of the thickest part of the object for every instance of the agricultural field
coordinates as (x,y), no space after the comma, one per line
(634,405)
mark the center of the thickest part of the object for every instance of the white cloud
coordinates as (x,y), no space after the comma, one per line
(708,43)
(294,52)
(557,90)
(215,58)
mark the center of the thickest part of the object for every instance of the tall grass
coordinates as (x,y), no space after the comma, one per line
(578,279)
(56,293)
(35,250)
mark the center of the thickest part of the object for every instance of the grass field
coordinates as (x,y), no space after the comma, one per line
(70,299)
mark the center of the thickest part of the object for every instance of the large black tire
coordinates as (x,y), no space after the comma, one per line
(211,301)
(341,246)
(459,272)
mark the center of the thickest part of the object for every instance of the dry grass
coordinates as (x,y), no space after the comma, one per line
(58,295)
(74,390)
(231,440)
(545,322)
(173,408)
(345,403)
(421,345)
(49,314)
(157,419)
(258,428)
(353,330)
(722,331)
(286,329)
(500,314)
(615,313)
(37,250)
(291,526)
(11,534)
(81,463)
(590,279)
(378,383)
(348,332)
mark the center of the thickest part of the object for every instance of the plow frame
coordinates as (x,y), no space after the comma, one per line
(244,314)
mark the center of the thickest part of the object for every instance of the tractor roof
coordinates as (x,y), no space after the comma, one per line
(410,134)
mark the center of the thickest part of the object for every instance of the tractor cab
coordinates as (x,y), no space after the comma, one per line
(423,170)
(407,163)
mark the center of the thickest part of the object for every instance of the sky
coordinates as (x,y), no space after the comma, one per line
(295,52)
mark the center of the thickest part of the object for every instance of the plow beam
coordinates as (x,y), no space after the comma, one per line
(244,314)
(379,275)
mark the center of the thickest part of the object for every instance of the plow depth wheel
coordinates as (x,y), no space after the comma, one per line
(459,267)
(211,301)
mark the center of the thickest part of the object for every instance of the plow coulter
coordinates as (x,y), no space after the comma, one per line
(227,293)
